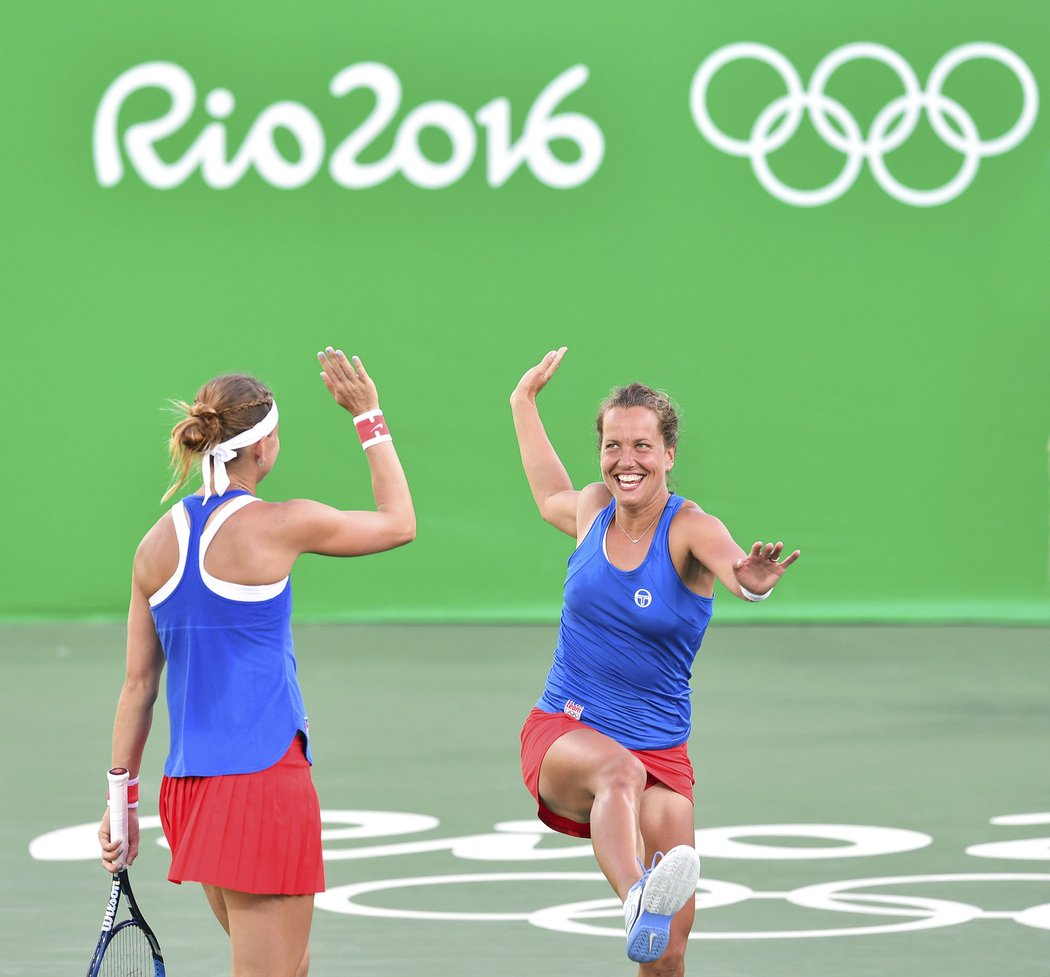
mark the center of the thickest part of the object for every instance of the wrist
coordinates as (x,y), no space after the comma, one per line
(753,597)
(133,793)
(523,398)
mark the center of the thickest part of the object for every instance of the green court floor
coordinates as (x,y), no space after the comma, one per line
(871,801)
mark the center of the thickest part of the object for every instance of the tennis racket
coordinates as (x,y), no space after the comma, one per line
(126,948)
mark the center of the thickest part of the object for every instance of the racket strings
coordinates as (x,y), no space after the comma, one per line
(128,954)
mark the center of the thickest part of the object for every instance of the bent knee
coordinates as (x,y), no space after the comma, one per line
(624,773)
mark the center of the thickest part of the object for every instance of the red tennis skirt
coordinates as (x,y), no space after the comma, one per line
(250,832)
(672,767)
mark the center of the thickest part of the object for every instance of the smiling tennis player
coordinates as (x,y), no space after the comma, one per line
(604,750)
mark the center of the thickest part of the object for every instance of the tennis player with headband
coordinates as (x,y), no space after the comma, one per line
(211,599)
(604,751)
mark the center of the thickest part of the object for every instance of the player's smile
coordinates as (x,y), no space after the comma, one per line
(633,452)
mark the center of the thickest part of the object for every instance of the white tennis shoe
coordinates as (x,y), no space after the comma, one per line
(661,891)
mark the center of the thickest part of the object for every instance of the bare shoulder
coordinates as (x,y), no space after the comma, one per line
(702,547)
(289,514)
(593,498)
(692,515)
(294,525)
(159,535)
(157,555)
(693,522)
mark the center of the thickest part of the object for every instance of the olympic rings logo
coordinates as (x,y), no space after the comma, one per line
(901,913)
(893,125)
(890,903)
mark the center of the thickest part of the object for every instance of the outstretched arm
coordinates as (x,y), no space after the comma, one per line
(312,527)
(551,486)
(755,573)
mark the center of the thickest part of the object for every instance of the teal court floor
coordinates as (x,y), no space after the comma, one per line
(871,801)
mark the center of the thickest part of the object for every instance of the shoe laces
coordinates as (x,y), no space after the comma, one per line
(652,865)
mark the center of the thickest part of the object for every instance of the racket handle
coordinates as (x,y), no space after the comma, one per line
(118,804)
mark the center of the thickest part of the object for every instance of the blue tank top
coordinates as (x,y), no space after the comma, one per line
(627,641)
(233,697)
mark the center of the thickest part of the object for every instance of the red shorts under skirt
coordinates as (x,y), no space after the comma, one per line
(672,767)
(250,832)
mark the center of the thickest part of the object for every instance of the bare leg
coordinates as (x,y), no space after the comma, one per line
(586,776)
(269,935)
(667,820)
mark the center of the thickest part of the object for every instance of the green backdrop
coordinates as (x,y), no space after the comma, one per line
(862,368)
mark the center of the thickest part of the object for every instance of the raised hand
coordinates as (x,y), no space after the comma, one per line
(536,379)
(760,570)
(348,382)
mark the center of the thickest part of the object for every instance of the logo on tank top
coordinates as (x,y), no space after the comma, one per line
(643,598)
(573,709)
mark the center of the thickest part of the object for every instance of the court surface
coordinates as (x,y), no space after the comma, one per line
(872,801)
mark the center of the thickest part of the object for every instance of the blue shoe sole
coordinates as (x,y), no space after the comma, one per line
(649,938)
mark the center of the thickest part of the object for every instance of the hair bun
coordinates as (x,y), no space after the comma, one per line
(223,408)
(203,428)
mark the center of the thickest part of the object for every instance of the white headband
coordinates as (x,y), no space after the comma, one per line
(214,461)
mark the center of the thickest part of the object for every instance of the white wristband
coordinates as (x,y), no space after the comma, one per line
(753,597)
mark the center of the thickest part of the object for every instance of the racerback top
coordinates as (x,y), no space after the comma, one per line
(627,641)
(233,696)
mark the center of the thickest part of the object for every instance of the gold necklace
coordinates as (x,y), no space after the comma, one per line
(644,531)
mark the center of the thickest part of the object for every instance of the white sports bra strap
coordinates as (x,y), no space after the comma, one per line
(226,588)
(182,534)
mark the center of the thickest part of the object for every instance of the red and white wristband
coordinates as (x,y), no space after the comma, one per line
(133,793)
(371,428)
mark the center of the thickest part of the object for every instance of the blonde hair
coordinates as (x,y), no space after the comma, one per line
(222,409)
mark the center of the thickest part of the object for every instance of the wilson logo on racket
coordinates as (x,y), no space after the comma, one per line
(111,910)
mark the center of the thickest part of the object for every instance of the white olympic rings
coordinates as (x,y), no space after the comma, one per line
(857,907)
(903,913)
(892,126)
